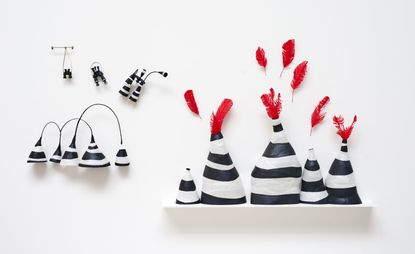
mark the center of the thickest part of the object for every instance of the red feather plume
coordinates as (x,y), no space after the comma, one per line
(298,76)
(317,116)
(288,52)
(191,102)
(261,58)
(343,132)
(217,119)
(273,105)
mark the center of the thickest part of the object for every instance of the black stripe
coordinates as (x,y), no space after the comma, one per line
(37,155)
(319,202)
(221,175)
(133,99)
(32,161)
(136,93)
(212,200)
(216,136)
(94,166)
(187,185)
(123,93)
(122,164)
(343,196)
(277,128)
(276,172)
(339,167)
(92,147)
(313,186)
(54,160)
(93,156)
(223,159)
(129,80)
(344,149)
(70,155)
(311,165)
(259,199)
(278,150)
(122,153)
(138,89)
(191,203)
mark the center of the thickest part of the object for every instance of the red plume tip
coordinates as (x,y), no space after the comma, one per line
(273,105)
(288,52)
(343,132)
(261,58)
(217,119)
(298,76)
(191,102)
(317,116)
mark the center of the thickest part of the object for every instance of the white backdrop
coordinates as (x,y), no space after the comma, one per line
(359,53)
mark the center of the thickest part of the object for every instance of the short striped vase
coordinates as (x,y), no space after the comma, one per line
(313,190)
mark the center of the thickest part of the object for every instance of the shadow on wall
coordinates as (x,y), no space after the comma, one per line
(95,177)
(285,220)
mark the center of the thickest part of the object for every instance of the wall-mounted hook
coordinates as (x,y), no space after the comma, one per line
(66,69)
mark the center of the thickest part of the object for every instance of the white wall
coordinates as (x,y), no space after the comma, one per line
(360,53)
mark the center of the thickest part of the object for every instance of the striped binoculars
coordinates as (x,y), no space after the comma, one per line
(138,82)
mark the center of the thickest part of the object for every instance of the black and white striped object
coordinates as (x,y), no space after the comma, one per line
(221,182)
(340,181)
(70,156)
(37,155)
(57,155)
(187,194)
(121,159)
(276,178)
(313,190)
(125,90)
(136,93)
(93,157)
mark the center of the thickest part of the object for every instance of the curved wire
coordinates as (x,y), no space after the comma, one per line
(44,127)
(159,72)
(70,120)
(99,104)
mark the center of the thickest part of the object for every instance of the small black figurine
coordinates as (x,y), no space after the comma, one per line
(66,67)
(97,73)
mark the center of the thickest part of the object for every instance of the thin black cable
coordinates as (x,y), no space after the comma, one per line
(99,104)
(44,127)
(70,120)
(159,72)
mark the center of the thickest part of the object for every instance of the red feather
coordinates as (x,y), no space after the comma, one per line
(217,119)
(191,102)
(272,105)
(317,115)
(298,76)
(343,132)
(288,52)
(261,58)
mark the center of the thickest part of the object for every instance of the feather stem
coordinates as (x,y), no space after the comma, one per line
(281,71)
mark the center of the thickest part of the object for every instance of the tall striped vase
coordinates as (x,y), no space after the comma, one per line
(313,190)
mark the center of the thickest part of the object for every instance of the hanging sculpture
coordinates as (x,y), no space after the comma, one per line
(67,63)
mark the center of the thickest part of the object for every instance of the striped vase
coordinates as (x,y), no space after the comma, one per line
(187,194)
(221,182)
(276,178)
(313,190)
(340,180)
(57,155)
(37,155)
(93,157)
(70,156)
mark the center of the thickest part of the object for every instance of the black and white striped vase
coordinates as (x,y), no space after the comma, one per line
(276,178)
(121,159)
(187,193)
(93,157)
(313,190)
(70,156)
(221,183)
(57,155)
(340,181)
(37,155)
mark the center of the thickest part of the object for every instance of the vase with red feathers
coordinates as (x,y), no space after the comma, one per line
(276,178)
(313,190)
(221,183)
(340,181)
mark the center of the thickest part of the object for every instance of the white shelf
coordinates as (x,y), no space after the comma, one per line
(170,204)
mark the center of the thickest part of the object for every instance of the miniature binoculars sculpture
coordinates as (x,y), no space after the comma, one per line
(139,81)
(97,73)
(67,63)
(67,73)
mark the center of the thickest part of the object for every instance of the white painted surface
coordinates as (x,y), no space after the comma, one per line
(360,53)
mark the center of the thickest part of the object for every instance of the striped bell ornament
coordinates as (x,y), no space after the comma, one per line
(187,193)
(121,159)
(37,155)
(93,157)
(70,156)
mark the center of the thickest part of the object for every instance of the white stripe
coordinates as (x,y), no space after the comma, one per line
(279,137)
(276,186)
(122,160)
(343,156)
(187,196)
(313,196)
(70,149)
(218,147)
(38,149)
(340,181)
(94,162)
(282,162)
(69,162)
(187,176)
(228,189)
(312,176)
(56,157)
(218,166)
(275,121)
(38,160)
(311,155)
